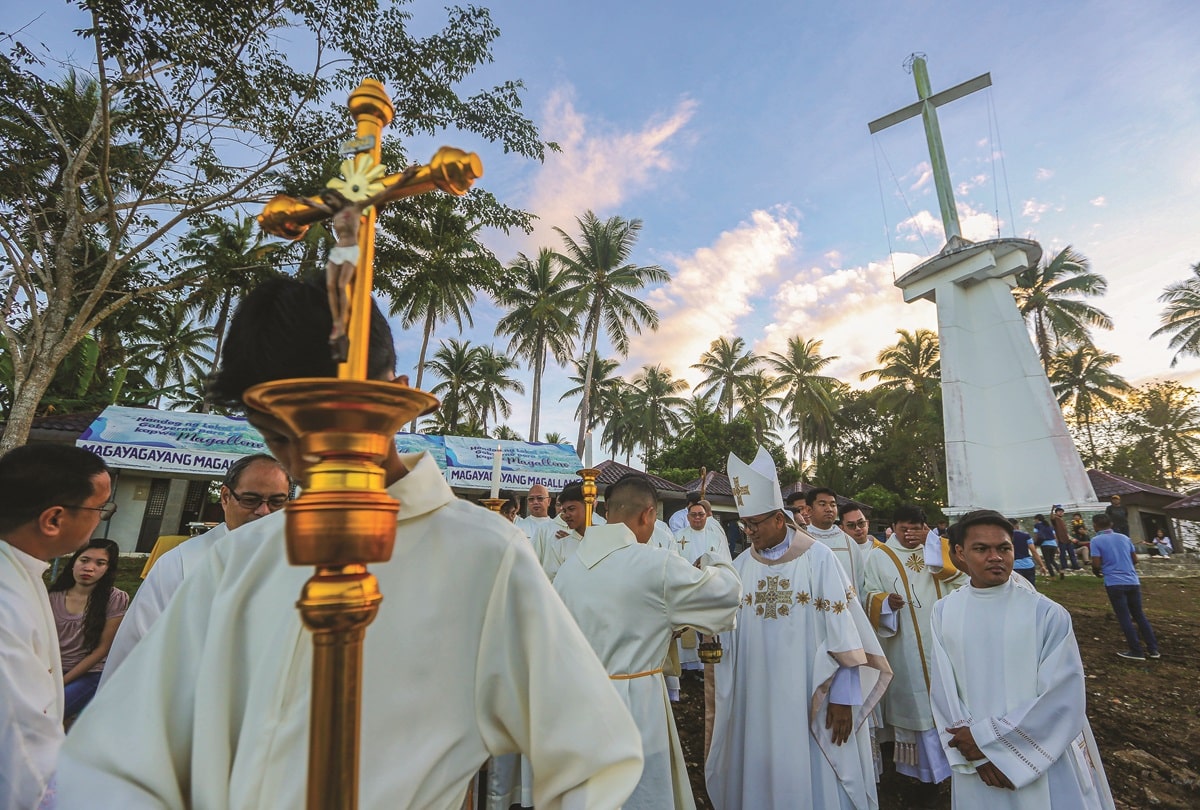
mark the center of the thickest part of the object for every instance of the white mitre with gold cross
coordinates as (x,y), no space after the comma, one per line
(755,485)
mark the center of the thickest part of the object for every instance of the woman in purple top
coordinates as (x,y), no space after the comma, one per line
(87,610)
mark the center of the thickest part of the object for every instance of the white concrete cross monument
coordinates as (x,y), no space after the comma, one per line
(1007,445)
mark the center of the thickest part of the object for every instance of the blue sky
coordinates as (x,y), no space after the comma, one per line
(738,134)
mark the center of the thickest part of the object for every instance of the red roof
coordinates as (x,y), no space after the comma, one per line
(1108,484)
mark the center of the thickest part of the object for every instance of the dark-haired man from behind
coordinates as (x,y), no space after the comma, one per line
(629,598)
(1114,558)
(52,498)
(1007,686)
(254,486)
(459,663)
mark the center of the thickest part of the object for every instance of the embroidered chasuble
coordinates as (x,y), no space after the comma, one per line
(799,623)
(907,643)
(1006,664)
(628,599)
(463,661)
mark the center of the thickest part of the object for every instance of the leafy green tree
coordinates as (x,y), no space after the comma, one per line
(1181,316)
(727,366)
(710,445)
(653,397)
(607,287)
(542,322)
(101,176)
(1167,415)
(456,363)
(1083,380)
(1050,295)
(694,411)
(761,396)
(809,398)
(176,348)
(910,373)
(603,384)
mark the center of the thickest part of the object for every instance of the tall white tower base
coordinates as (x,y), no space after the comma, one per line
(1007,446)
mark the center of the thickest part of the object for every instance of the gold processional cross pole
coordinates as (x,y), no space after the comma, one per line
(344,519)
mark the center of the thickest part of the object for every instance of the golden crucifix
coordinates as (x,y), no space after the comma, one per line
(344,517)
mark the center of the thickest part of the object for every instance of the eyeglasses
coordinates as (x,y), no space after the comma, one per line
(751,526)
(855,524)
(538,498)
(252,500)
(106,511)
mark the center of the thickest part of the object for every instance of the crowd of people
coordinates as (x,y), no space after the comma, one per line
(543,643)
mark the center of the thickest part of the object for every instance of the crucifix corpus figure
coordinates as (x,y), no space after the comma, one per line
(339,273)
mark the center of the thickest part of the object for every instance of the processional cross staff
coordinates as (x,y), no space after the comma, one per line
(344,518)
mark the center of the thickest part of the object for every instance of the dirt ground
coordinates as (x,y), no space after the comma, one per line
(1144,716)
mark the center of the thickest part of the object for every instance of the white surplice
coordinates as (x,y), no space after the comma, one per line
(851,554)
(554,544)
(907,642)
(464,660)
(799,622)
(1006,664)
(156,591)
(628,599)
(531,524)
(31,681)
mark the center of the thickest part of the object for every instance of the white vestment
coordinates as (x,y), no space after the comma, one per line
(850,553)
(531,524)
(695,544)
(799,622)
(156,591)
(1006,664)
(464,660)
(908,644)
(628,599)
(31,681)
(551,549)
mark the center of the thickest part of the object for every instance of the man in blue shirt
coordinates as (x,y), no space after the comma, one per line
(1045,540)
(1114,559)
(1025,554)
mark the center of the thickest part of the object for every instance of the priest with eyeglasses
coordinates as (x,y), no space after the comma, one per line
(801,672)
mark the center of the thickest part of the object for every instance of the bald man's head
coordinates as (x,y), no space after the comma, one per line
(539,501)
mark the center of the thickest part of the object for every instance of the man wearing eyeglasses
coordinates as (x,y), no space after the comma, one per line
(52,498)
(538,500)
(802,650)
(254,487)
(855,524)
(899,592)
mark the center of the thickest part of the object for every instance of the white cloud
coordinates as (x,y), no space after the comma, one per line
(1033,210)
(963,188)
(1099,202)
(923,173)
(1043,174)
(854,311)
(711,289)
(598,168)
(834,257)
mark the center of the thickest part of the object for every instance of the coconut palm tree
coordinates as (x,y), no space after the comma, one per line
(492,381)
(542,321)
(695,409)
(1082,378)
(760,396)
(809,397)
(1049,298)
(615,407)
(606,287)
(653,397)
(1168,414)
(174,349)
(224,258)
(457,364)
(506,433)
(910,373)
(1181,317)
(554,437)
(603,378)
(727,365)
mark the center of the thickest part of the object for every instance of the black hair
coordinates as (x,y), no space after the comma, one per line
(850,506)
(280,331)
(980,517)
(908,513)
(234,473)
(633,491)
(810,497)
(692,497)
(35,477)
(571,492)
(95,615)
(1102,521)
(1040,517)
(793,498)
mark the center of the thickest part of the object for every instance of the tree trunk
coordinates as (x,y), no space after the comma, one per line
(24,405)
(222,320)
(429,323)
(586,407)
(539,361)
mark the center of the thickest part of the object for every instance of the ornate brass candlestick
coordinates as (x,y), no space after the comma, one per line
(344,518)
(494,504)
(589,492)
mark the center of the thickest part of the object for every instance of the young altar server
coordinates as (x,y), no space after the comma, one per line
(800,674)
(1007,686)
(629,598)
(464,659)
(901,591)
